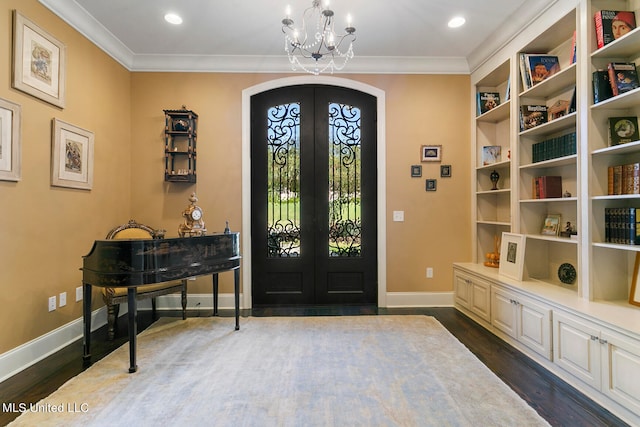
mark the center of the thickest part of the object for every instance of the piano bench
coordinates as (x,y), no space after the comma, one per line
(113,297)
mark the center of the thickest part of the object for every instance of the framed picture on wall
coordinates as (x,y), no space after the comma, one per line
(39,61)
(431,153)
(71,156)
(512,255)
(416,171)
(10,128)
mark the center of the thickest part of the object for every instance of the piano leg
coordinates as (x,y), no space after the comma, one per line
(86,317)
(133,328)
(236,291)
(215,294)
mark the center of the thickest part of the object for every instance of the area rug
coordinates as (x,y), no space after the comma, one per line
(288,371)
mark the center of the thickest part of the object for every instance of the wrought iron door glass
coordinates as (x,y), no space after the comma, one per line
(345,162)
(283,186)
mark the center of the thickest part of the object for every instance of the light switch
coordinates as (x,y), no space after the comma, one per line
(398,216)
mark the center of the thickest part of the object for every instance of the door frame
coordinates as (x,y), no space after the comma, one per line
(246,173)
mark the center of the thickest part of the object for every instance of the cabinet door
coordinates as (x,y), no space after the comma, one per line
(503,313)
(577,348)
(534,327)
(481,298)
(462,290)
(621,370)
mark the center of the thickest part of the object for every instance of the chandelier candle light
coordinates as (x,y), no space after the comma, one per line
(315,42)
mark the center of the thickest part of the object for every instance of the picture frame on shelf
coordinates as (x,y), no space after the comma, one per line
(491,154)
(71,156)
(10,144)
(416,171)
(445,171)
(39,62)
(551,225)
(634,295)
(431,153)
(512,255)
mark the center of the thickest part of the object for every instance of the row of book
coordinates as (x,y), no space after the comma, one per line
(623,130)
(621,226)
(623,179)
(554,148)
(618,78)
(537,67)
(546,187)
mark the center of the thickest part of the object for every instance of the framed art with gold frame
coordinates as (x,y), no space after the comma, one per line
(634,295)
(39,61)
(71,156)
(10,147)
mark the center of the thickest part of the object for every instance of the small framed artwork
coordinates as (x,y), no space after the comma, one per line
(416,171)
(431,184)
(431,153)
(512,255)
(10,128)
(551,225)
(491,154)
(634,296)
(445,171)
(72,156)
(39,61)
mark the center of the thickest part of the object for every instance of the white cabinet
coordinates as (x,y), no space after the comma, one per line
(473,294)
(604,359)
(523,319)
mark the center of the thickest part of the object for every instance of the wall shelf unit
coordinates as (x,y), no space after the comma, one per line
(180,154)
(580,283)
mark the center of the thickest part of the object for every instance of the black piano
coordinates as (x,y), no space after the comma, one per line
(131,263)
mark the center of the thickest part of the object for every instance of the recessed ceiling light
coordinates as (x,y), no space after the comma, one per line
(172,18)
(456,22)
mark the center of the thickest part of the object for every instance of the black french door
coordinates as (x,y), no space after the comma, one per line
(313,201)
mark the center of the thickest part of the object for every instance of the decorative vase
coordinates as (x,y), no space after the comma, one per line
(180,125)
(494,177)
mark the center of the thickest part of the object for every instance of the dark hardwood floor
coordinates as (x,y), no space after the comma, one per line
(557,402)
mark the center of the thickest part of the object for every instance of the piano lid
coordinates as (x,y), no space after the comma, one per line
(132,262)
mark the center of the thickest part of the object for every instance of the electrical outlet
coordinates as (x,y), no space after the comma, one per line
(63,299)
(79,293)
(52,303)
(429,273)
(398,216)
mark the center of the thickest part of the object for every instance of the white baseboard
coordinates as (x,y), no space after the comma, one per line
(419,299)
(20,358)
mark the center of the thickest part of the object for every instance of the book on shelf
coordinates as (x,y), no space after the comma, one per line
(621,226)
(536,68)
(553,148)
(573,52)
(623,130)
(507,92)
(546,187)
(487,101)
(613,24)
(601,86)
(623,77)
(532,116)
(491,154)
(623,179)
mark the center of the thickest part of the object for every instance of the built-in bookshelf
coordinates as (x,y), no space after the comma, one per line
(612,263)
(492,129)
(576,283)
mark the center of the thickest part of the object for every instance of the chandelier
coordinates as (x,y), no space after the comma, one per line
(315,47)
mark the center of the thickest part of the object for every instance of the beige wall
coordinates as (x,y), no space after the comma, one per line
(41,247)
(45,230)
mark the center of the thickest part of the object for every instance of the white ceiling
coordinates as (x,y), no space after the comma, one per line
(245,35)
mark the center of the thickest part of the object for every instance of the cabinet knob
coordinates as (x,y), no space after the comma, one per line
(603,341)
(594,338)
